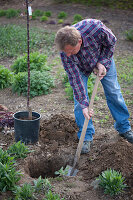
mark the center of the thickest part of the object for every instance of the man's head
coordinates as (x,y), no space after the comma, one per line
(68,39)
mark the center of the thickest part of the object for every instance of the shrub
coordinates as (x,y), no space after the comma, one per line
(11,13)
(37,63)
(2,13)
(40,83)
(18,150)
(38,13)
(62,15)
(44,19)
(47,13)
(77,18)
(112,182)
(6,77)
(129,35)
(8,177)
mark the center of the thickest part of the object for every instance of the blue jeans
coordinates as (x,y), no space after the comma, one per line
(115,103)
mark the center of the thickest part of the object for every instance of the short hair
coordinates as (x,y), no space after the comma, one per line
(67,36)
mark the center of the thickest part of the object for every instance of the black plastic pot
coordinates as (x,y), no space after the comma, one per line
(26,131)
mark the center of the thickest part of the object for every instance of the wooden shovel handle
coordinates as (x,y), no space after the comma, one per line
(80,144)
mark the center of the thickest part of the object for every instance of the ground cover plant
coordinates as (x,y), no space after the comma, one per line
(6,77)
(13,40)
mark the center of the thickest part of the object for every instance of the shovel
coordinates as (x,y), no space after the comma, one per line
(71,170)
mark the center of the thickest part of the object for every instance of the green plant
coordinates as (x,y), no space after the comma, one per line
(37,63)
(5,158)
(129,34)
(62,15)
(24,193)
(13,40)
(9,176)
(62,171)
(38,13)
(6,77)
(42,184)
(51,196)
(112,182)
(60,21)
(48,13)
(44,19)
(2,13)
(11,13)
(18,150)
(40,83)
(77,17)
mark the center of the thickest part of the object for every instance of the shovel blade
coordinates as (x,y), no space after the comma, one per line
(70,169)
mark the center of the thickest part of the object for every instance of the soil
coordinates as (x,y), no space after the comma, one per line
(57,137)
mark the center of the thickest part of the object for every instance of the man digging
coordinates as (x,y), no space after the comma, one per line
(84,47)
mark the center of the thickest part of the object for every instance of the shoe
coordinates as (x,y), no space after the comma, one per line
(85,147)
(128,135)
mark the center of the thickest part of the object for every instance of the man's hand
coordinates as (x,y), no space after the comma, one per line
(101,70)
(87,114)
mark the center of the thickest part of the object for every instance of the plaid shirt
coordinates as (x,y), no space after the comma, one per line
(98,44)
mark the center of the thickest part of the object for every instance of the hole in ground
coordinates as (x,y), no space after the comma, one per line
(45,167)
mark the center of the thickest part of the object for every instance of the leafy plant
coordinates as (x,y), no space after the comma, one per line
(38,13)
(77,17)
(5,158)
(37,63)
(44,19)
(62,15)
(48,13)
(2,13)
(51,196)
(41,83)
(18,150)
(6,77)
(8,177)
(62,171)
(6,119)
(112,182)
(10,13)
(24,193)
(40,184)
(129,34)
(60,21)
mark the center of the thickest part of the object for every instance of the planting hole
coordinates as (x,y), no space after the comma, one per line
(45,167)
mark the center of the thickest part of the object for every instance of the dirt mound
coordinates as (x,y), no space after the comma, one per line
(59,128)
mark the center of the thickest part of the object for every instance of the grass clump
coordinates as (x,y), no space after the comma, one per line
(18,150)
(51,196)
(44,19)
(40,83)
(6,77)
(37,63)
(62,15)
(47,13)
(38,13)
(10,13)
(2,13)
(112,182)
(129,34)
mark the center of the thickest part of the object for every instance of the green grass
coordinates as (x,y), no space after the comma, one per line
(121,4)
(125,70)
(13,40)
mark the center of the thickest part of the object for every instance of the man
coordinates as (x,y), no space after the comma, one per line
(84,47)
